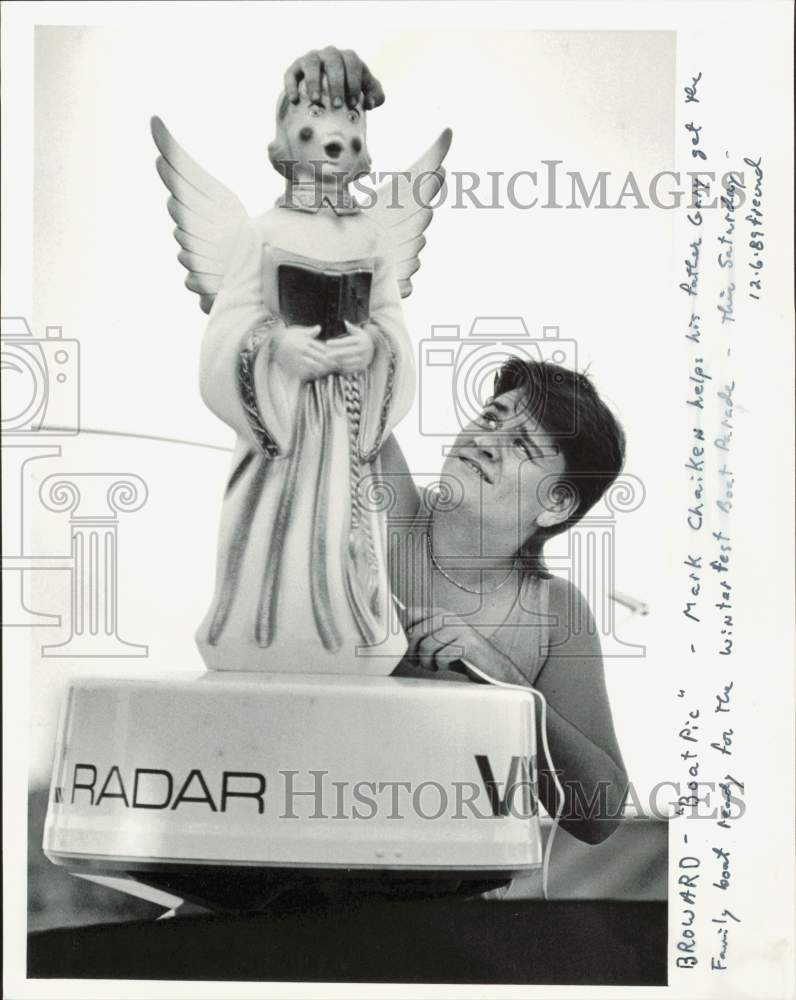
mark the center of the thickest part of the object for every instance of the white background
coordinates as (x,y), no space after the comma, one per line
(105,266)
(518,84)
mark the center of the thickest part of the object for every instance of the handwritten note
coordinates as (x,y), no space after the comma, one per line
(725,202)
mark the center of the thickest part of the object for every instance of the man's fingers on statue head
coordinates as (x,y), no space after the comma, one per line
(312,67)
(373,95)
(353,76)
(335,75)
(347,78)
(293,75)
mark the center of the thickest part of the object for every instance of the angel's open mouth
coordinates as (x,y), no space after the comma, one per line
(333,150)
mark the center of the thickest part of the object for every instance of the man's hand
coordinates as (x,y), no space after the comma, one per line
(353,353)
(298,352)
(346,75)
(438,638)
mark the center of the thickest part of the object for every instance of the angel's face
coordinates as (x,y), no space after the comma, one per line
(325,142)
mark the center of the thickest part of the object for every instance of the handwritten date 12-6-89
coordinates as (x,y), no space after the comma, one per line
(755,219)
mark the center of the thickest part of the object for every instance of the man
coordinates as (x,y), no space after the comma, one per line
(478,591)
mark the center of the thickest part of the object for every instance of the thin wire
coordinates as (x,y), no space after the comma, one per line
(545,746)
(548,756)
(633,604)
(47,429)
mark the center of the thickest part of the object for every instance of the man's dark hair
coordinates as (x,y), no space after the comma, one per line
(566,406)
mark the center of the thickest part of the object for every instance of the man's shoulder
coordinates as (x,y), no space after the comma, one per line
(568,603)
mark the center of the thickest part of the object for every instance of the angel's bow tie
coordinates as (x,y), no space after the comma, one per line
(310,198)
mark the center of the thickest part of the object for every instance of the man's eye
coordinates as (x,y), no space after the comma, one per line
(490,422)
(315,110)
(353,116)
(522,445)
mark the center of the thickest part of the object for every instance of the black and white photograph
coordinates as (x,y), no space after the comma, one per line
(397,453)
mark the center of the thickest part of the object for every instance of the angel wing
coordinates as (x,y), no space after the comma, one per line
(402,208)
(208,216)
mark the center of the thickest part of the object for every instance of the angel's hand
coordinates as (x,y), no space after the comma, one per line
(353,353)
(346,74)
(297,351)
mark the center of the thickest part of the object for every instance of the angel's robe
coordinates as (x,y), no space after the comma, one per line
(301,581)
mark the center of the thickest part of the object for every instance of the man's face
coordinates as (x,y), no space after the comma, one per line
(324,139)
(507,467)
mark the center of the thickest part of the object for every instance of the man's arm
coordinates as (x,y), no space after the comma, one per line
(580,726)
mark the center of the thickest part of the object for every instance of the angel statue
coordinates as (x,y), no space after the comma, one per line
(307,358)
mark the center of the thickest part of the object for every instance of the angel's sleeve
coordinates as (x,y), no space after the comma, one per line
(390,380)
(239,380)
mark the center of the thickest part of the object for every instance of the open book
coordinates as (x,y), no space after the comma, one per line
(310,297)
